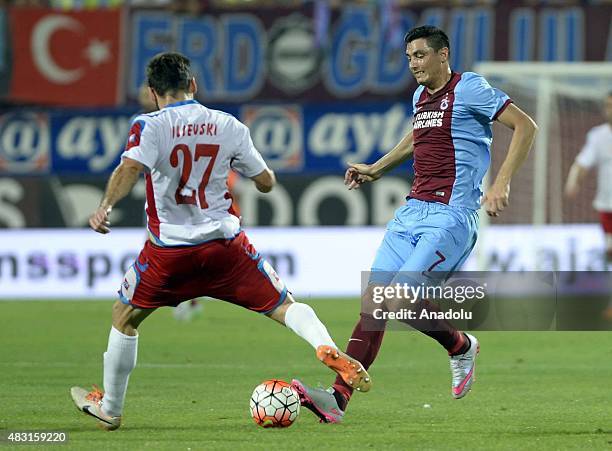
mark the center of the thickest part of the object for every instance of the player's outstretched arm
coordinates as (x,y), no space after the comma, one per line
(264,181)
(575,177)
(496,198)
(121,182)
(359,173)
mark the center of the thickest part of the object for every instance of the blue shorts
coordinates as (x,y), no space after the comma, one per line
(427,240)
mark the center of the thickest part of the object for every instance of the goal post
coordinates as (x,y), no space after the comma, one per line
(566,101)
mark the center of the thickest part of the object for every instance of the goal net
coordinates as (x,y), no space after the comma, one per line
(566,101)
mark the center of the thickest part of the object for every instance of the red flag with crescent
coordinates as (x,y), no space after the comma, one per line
(66,58)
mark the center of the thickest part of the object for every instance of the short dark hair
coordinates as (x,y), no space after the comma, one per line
(168,73)
(436,38)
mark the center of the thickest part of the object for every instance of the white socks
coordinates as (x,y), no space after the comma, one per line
(119,361)
(120,356)
(302,320)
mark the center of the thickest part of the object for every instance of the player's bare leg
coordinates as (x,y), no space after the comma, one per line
(119,361)
(302,319)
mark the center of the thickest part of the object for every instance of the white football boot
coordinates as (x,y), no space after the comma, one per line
(90,403)
(463,369)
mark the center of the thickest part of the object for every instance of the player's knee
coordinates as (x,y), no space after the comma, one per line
(609,255)
(278,314)
(371,300)
(371,309)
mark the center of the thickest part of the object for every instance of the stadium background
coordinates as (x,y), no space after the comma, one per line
(318,83)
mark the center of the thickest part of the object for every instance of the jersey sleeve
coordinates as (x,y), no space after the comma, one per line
(142,143)
(247,160)
(415,97)
(587,157)
(482,99)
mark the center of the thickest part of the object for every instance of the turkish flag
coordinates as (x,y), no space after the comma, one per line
(66,58)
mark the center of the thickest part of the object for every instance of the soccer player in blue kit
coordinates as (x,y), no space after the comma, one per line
(434,232)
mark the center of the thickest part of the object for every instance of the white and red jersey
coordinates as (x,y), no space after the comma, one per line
(189,150)
(597,151)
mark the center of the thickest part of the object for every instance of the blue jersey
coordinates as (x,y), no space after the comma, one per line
(452,139)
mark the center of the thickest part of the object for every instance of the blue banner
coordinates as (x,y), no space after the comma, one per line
(5,54)
(323,138)
(88,142)
(293,138)
(25,143)
(358,52)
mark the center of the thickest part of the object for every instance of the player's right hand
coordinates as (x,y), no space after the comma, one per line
(99,221)
(359,173)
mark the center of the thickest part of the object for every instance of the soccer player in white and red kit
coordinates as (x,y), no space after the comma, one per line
(597,153)
(196,246)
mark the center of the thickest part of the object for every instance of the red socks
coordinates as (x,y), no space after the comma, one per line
(363,346)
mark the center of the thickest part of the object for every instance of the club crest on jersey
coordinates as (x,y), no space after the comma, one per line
(444,103)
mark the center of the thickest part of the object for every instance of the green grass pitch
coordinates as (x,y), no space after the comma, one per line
(190,390)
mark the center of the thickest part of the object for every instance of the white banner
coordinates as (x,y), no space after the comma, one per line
(323,261)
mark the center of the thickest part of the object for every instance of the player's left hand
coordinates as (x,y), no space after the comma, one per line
(99,221)
(496,199)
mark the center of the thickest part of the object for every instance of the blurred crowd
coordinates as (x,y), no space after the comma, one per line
(198,6)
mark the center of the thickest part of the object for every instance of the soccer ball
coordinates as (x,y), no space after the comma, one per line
(274,404)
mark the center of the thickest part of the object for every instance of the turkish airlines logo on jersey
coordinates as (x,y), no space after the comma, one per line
(66,58)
